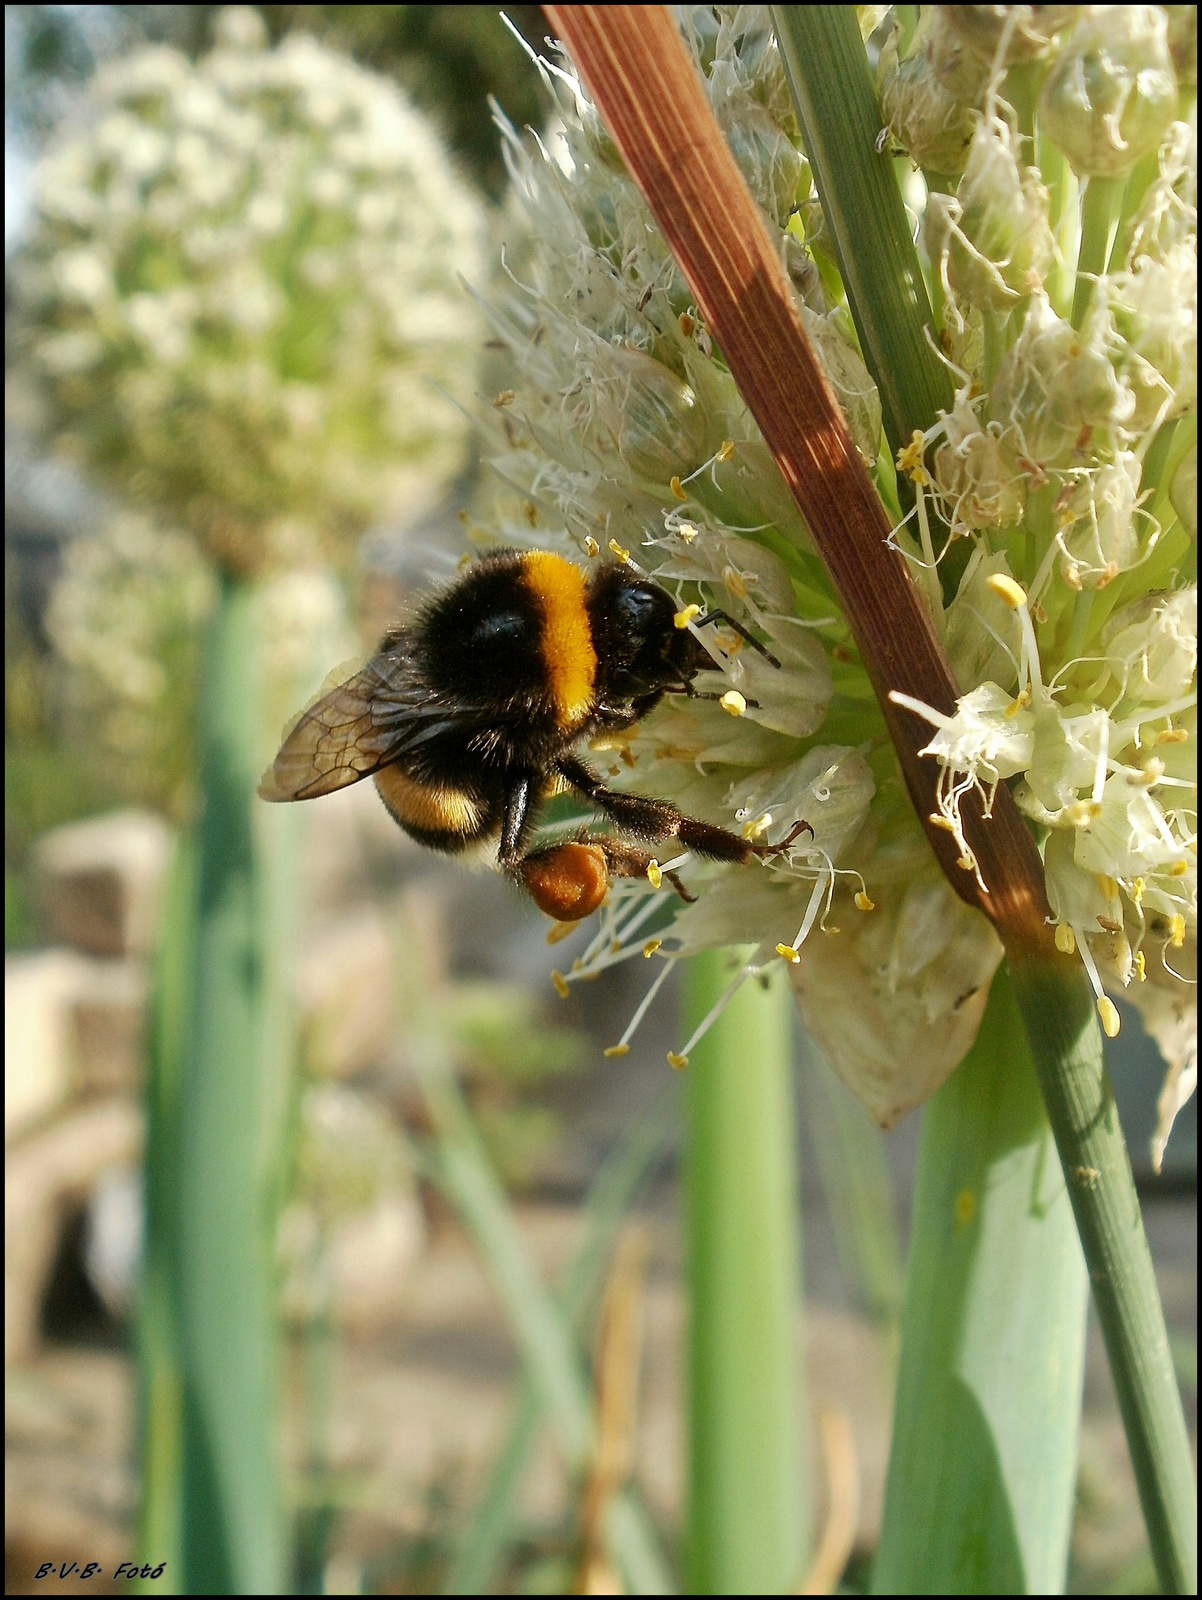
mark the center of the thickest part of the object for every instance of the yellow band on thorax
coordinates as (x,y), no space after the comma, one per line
(567,640)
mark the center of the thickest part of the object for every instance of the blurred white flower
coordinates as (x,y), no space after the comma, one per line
(215,241)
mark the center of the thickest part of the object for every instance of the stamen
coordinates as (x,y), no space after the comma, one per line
(1066,941)
(650,948)
(592,548)
(654,876)
(683,618)
(644,1006)
(677,488)
(1107,1011)
(677,1063)
(561,984)
(863,903)
(560,930)
(711,1016)
(617,550)
(733,702)
(616,1050)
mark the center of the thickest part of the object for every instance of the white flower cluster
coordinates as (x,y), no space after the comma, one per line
(239,286)
(619,430)
(125,617)
(1068,468)
(1063,479)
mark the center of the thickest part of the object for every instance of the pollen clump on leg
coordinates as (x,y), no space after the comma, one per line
(568,881)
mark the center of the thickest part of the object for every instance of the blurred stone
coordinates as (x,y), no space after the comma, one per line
(99,882)
(346,989)
(39,991)
(46,1176)
(73,1025)
(109,1023)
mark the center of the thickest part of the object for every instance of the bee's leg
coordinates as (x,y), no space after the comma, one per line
(656,819)
(518,798)
(625,860)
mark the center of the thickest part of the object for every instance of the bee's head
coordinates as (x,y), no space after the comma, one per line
(640,650)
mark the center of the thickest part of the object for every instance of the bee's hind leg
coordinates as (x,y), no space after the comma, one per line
(626,860)
(653,819)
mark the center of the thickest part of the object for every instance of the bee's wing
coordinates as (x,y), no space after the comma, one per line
(351,731)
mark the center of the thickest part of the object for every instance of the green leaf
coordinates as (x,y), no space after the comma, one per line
(983,1462)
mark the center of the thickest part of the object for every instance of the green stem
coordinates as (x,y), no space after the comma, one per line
(1058,1014)
(837,107)
(160,1361)
(747,1531)
(221,1054)
(231,1137)
(1099,216)
(983,1460)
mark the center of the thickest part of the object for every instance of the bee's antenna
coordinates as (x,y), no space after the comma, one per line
(724,616)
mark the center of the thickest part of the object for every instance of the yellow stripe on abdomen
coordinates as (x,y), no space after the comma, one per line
(426,808)
(567,640)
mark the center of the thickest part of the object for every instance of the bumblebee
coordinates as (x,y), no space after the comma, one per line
(469,718)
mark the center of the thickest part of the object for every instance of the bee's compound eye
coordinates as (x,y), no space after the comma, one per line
(568,881)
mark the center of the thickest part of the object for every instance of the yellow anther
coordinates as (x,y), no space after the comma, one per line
(616,1050)
(757,826)
(616,549)
(677,488)
(1172,736)
(788,952)
(686,324)
(1141,966)
(909,458)
(1137,892)
(1107,886)
(654,876)
(1066,939)
(1108,1012)
(1177,931)
(561,985)
(938,820)
(863,903)
(1080,813)
(650,948)
(683,618)
(1019,703)
(591,547)
(677,1063)
(1152,771)
(686,531)
(1179,869)
(829,927)
(734,582)
(725,450)
(505,398)
(1007,589)
(733,702)
(561,930)
(1072,576)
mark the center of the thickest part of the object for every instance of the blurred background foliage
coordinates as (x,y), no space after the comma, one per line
(88,726)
